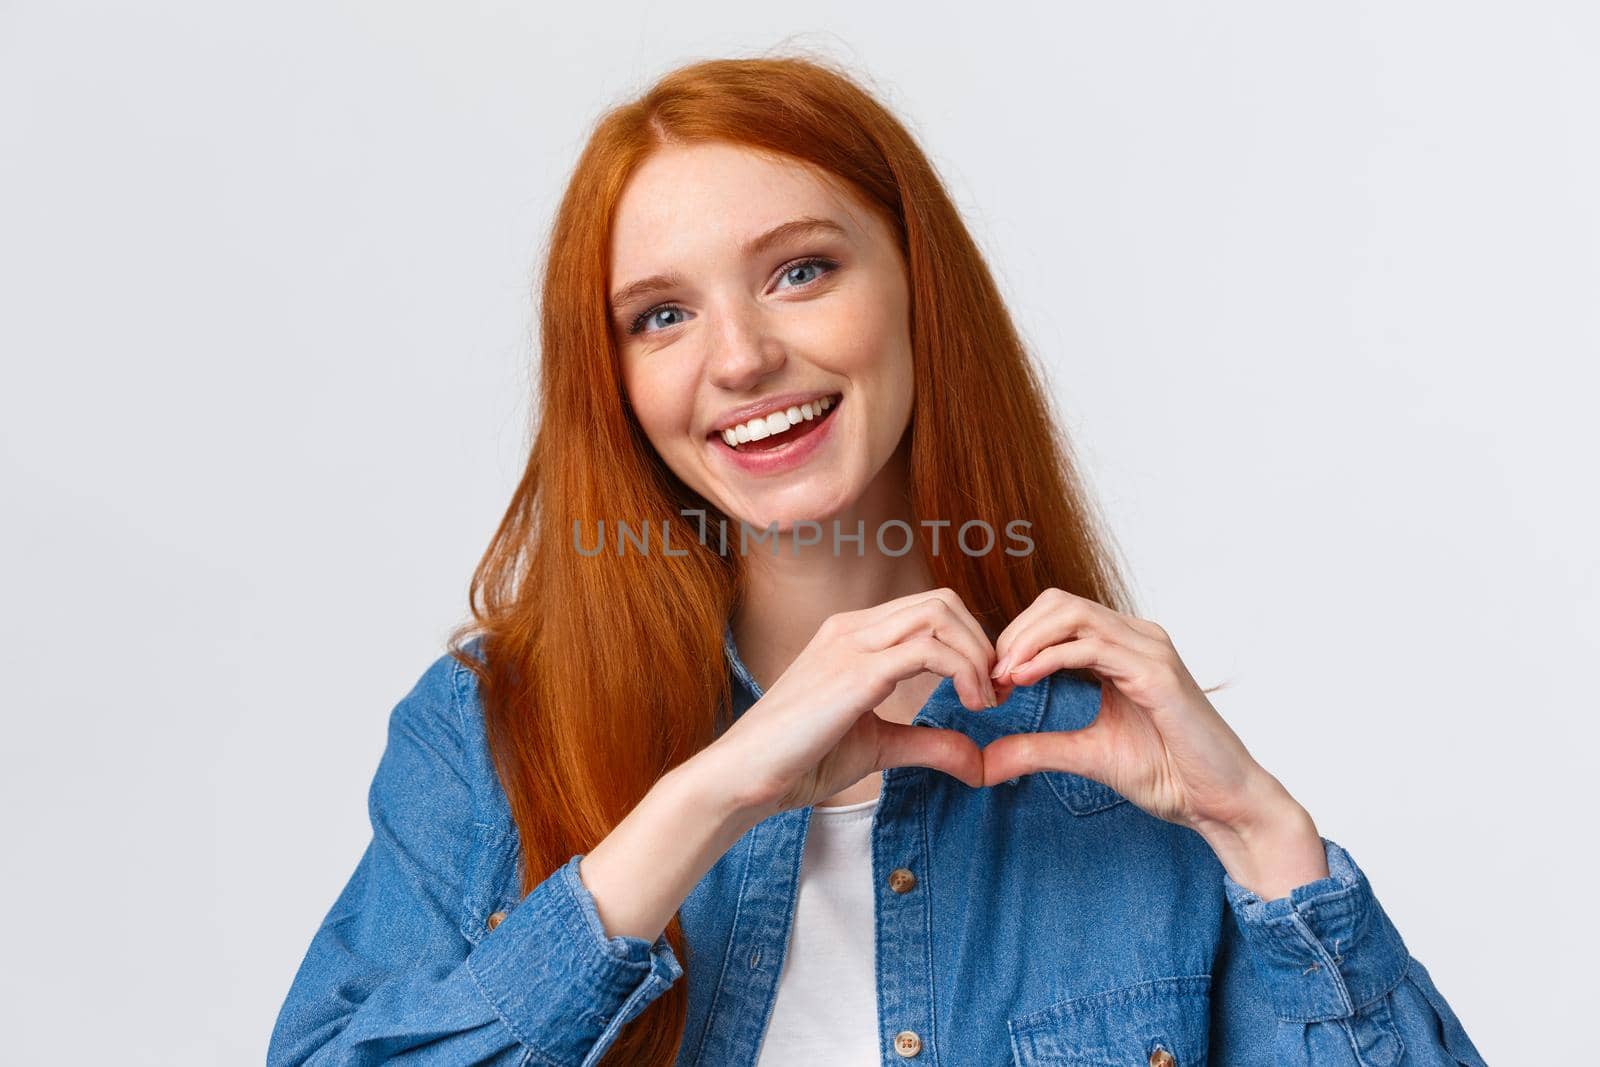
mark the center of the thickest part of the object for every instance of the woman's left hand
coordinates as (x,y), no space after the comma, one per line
(1157,740)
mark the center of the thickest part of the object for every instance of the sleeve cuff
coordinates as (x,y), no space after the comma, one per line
(1325,951)
(555,978)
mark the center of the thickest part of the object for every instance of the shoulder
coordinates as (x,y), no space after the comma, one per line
(442,698)
(439,723)
(437,734)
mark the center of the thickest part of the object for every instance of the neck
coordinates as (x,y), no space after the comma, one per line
(789,593)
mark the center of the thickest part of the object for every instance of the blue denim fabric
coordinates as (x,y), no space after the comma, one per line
(1052,922)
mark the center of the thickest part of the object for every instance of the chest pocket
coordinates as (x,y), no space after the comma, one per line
(1161,1023)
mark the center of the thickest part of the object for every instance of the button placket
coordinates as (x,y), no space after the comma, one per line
(741,1004)
(907,1043)
(905,966)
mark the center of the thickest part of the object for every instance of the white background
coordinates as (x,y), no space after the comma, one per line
(1316,288)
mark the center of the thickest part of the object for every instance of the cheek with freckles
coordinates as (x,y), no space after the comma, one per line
(876,362)
(662,402)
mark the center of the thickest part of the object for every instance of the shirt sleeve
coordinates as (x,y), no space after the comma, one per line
(390,977)
(1322,977)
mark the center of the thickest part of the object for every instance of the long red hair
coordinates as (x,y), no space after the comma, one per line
(602,672)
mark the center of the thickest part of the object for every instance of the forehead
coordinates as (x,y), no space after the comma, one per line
(705,200)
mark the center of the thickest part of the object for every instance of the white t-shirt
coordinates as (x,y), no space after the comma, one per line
(826,1011)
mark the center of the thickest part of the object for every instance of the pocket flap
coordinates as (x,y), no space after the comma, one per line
(1123,1027)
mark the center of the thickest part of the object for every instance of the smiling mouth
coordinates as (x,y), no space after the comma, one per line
(779,428)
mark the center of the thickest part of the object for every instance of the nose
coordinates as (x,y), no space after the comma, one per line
(743,351)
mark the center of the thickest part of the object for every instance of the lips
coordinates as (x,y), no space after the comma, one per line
(751,416)
(788,449)
(778,426)
(791,432)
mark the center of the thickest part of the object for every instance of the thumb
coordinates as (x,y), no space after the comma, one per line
(1024,753)
(950,751)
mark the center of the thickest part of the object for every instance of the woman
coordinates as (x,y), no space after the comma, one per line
(803,718)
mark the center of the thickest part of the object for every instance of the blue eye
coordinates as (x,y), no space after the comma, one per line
(806,264)
(798,266)
(638,323)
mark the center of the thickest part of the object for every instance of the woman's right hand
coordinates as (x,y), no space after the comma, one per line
(815,732)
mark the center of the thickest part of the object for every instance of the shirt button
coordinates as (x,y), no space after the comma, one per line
(907,1043)
(902,880)
(1162,1058)
(495,920)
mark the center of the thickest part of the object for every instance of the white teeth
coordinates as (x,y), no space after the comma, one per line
(766,425)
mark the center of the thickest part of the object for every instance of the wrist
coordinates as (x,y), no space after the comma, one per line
(641,872)
(1273,847)
(716,782)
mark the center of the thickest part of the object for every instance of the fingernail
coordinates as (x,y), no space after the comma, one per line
(1000,668)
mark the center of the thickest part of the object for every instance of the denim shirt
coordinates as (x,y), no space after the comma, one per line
(1041,921)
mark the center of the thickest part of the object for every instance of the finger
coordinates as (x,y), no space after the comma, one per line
(1148,628)
(934,615)
(1080,752)
(1047,606)
(929,653)
(1052,601)
(951,599)
(1024,618)
(920,616)
(950,751)
(1075,618)
(1106,658)
(959,611)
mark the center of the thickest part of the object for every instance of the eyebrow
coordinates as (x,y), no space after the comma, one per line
(804,226)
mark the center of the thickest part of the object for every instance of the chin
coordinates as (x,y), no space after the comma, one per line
(809,507)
